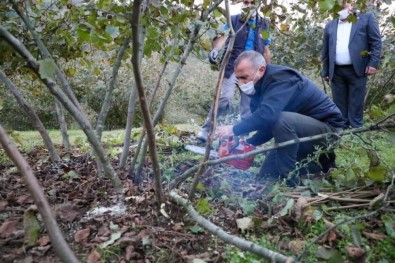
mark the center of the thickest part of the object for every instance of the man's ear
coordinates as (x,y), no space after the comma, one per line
(262,69)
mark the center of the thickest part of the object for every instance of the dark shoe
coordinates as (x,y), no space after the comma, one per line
(328,161)
(202,135)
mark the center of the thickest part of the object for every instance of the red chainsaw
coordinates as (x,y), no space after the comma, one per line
(229,145)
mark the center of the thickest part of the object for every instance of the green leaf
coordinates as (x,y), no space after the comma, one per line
(356,236)
(248,206)
(31,227)
(200,187)
(389,225)
(326,5)
(104,4)
(152,33)
(196,229)
(203,207)
(101,38)
(16,136)
(47,68)
(96,71)
(265,34)
(121,19)
(78,140)
(71,174)
(113,31)
(317,214)
(391,137)
(83,32)
(391,109)
(288,208)
(217,13)
(330,254)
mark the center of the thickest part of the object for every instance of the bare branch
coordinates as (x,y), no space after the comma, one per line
(234,240)
(148,123)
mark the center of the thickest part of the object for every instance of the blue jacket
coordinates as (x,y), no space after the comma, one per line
(364,46)
(285,89)
(241,38)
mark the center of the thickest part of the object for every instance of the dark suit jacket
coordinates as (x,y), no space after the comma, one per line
(365,37)
(285,89)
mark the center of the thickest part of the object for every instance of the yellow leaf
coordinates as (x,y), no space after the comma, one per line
(284,27)
(377,173)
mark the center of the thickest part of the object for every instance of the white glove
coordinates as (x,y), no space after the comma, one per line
(213,56)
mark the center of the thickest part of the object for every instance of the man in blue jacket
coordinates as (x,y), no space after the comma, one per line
(285,106)
(248,38)
(351,52)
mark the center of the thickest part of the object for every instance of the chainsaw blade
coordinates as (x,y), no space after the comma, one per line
(200,150)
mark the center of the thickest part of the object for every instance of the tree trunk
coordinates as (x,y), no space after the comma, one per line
(101,120)
(129,125)
(143,102)
(62,124)
(32,115)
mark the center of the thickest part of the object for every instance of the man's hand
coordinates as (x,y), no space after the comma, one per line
(326,78)
(213,56)
(370,70)
(226,130)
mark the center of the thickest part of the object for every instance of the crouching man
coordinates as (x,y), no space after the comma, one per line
(285,105)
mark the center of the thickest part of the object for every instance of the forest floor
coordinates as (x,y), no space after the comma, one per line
(98,229)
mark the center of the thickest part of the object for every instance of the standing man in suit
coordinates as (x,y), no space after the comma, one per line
(351,52)
(249,38)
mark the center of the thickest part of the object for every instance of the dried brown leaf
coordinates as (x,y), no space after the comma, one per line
(3,205)
(104,231)
(44,240)
(297,245)
(24,199)
(331,237)
(355,252)
(299,207)
(374,236)
(67,213)
(7,228)
(129,252)
(204,257)
(94,257)
(177,227)
(82,235)
(28,259)
(283,245)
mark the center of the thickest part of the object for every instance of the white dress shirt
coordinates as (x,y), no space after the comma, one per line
(343,39)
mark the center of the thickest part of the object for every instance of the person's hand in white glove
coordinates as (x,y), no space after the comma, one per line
(213,56)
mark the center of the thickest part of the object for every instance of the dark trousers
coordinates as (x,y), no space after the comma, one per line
(348,92)
(290,126)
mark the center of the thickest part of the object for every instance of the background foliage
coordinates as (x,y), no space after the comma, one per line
(83,37)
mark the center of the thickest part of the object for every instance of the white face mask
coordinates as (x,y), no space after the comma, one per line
(248,88)
(343,14)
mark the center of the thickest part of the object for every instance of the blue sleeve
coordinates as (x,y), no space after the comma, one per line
(374,41)
(268,41)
